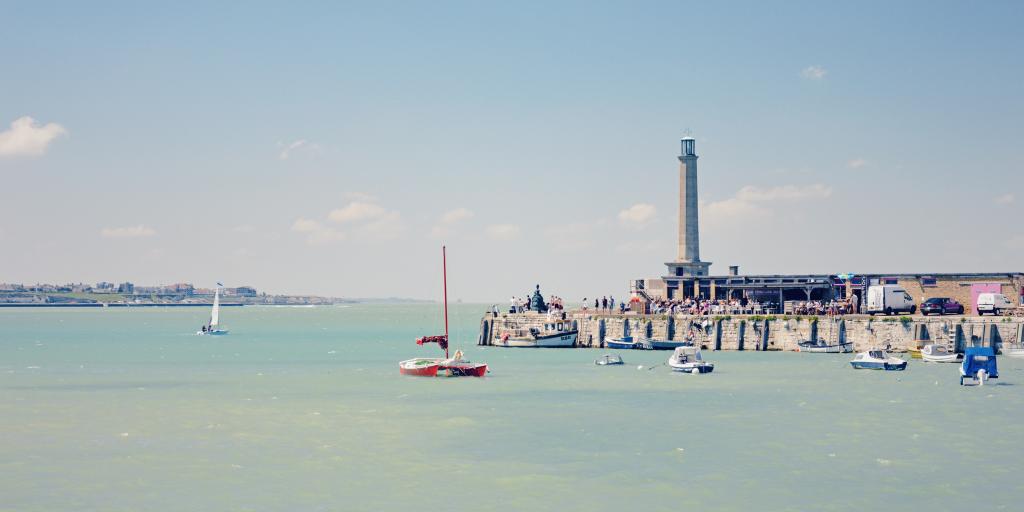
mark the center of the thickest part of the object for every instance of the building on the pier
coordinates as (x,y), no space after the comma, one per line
(689,277)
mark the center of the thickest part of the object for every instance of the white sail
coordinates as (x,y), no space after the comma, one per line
(215,314)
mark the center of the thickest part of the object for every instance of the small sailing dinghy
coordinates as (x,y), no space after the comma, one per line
(213,327)
(935,353)
(609,360)
(451,366)
(877,360)
(688,360)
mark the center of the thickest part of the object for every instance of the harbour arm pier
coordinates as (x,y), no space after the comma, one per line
(764,333)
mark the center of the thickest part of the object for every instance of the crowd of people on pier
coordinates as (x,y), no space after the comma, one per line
(604,304)
(745,306)
(690,306)
(524,304)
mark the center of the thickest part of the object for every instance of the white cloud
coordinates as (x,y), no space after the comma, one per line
(502,231)
(128,232)
(365,220)
(638,215)
(356,211)
(305,225)
(299,145)
(751,202)
(729,209)
(444,226)
(856,163)
(27,138)
(1005,199)
(385,227)
(814,72)
(456,215)
(317,233)
(752,193)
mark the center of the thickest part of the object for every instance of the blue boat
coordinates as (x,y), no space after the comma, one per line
(979,365)
(877,360)
(623,343)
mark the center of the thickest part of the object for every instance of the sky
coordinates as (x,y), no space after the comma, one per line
(331,148)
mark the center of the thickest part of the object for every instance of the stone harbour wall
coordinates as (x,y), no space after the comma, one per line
(773,332)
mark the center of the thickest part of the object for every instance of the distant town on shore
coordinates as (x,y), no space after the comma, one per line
(129,294)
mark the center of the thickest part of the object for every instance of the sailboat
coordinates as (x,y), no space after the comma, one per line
(451,366)
(213,327)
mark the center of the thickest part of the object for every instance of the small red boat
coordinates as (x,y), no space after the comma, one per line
(450,366)
(420,367)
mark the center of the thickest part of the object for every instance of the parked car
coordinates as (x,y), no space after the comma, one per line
(941,306)
(994,303)
(889,299)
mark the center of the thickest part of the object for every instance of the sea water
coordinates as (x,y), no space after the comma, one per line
(304,409)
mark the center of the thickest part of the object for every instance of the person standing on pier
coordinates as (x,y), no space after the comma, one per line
(604,303)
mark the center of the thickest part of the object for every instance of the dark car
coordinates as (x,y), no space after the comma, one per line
(941,306)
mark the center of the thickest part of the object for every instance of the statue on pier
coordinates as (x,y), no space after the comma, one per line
(537,302)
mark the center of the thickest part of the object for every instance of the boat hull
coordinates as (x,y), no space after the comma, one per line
(609,360)
(878,365)
(215,332)
(562,340)
(619,345)
(693,367)
(419,367)
(669,345)
(464,369)
(940,354)
(815,348)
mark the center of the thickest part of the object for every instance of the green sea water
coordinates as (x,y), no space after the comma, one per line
(304,409)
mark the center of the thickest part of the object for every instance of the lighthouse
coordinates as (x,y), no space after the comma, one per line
(688,263)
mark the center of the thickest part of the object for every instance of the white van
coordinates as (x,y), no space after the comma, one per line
(994,303)
(889,299)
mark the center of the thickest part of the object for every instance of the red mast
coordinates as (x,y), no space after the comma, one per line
(444,273)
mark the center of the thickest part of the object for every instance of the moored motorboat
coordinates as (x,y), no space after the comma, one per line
(668,344)
(560,334)
(627,343)
(620,343)
(935,353)
(689,360)
(824,347)
(877,360)
(609,360)
(979,365)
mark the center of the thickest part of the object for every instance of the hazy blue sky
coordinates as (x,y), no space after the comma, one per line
(317,148)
